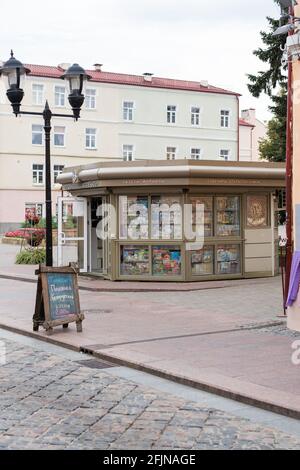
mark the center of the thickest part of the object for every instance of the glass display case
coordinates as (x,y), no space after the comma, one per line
(166,260)
(160,217)
(133,217)
(166,218)
(228,216)
(207,218)
(228,259)
(203,261)
(134,260)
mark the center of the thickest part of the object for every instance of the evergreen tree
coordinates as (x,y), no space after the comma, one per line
(273,147)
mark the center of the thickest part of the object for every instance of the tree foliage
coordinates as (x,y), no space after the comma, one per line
(268,81)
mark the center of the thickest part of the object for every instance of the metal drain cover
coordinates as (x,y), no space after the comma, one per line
(96,364)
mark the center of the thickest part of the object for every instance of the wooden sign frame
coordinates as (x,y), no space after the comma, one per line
(42,315)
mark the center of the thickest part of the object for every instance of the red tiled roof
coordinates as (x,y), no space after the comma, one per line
(242,122)
(135,80)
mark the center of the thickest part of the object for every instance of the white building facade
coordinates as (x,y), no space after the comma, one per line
(252,131)
(125,117)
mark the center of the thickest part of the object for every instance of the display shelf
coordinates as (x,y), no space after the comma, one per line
(135,260)
(166,261)
(202,261)
(229,259)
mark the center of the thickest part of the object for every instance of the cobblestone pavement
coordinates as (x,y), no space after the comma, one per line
(280,330)
(50,402)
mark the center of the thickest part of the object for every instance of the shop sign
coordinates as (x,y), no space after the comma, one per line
(57,299)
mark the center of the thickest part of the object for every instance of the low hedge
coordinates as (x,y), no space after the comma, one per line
(31,256)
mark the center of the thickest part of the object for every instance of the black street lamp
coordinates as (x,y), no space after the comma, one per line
(14,71)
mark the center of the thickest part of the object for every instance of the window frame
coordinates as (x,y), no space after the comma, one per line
(35,132)
(175,153)
(200,153)
(90,135)
(34,206)
(55,103)
(56,171)
(133,152)
(228,116)
(42,95)
(89,96)
(123,221)
(128,109)
(59,133)
(199,115)
(170,114)
(38,172)
(228,156)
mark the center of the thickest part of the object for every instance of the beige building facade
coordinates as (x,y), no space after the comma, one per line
(252,130)
(125,117)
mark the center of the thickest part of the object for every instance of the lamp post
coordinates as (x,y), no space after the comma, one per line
(14,72)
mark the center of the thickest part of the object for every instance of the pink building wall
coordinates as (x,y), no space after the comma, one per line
(12,205)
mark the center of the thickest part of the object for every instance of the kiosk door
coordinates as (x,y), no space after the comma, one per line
(72,232)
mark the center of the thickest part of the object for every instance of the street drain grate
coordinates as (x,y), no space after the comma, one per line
(97,311)
(96,364)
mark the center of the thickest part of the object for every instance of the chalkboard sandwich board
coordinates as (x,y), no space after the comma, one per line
(57,298)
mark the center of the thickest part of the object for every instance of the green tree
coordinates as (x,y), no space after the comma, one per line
(267,81)
(272,147)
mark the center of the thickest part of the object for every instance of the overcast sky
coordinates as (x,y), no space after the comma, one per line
(189,39)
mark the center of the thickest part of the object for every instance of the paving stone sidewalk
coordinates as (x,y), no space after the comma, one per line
(49,402)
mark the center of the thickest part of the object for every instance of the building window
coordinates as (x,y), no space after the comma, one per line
(128,153)
(195,154)
(171,153)
(37,174)
(59,136)
(60,96)
(37,134)
(34,208)
(224,154)
(90,98)
(195,116)
(57,169)
(128,110)
(224,118)
(90,138)
(171,114)
(37,94)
